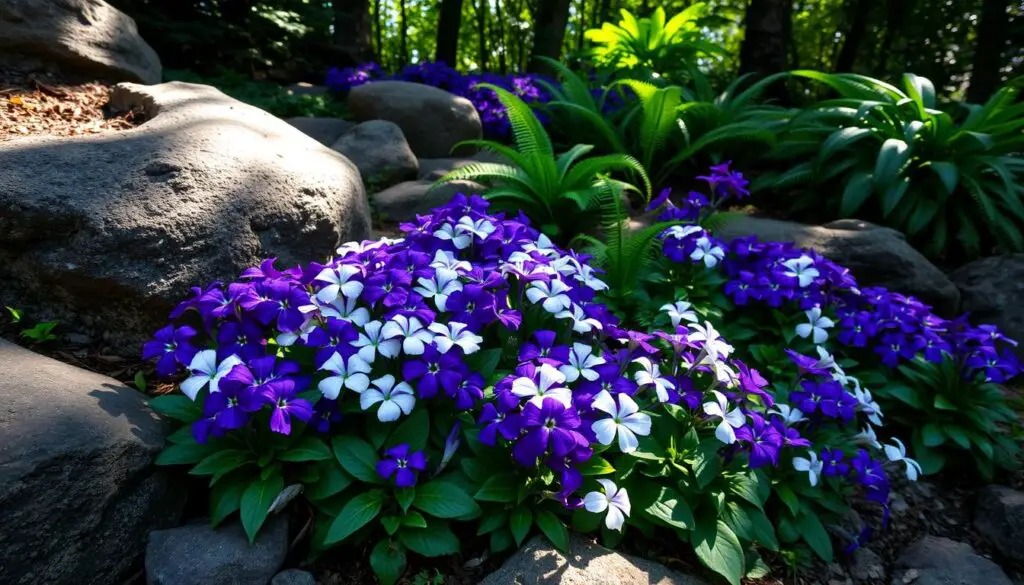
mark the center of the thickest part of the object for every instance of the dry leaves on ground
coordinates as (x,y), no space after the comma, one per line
(31,106)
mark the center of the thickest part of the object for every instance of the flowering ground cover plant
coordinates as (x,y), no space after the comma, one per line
(491,111)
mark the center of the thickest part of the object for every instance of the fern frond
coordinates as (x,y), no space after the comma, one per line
(528,133)
(583,171)
(488,173)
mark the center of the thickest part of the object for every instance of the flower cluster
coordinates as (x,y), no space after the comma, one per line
(492,113)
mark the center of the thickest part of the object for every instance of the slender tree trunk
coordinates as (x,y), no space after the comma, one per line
(764,50)
(481,32)
(502,46)
(861,13)
(379,22)
(895,19)
(352,29)
(549,32)
(988,54)
(448,22)
(581,25)
(403,36)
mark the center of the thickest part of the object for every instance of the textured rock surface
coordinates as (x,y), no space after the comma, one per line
(109,232)
(78,493)
(940,561)
(197,554)
(992,291)
(89,37)
(403,201)
(326,131)
(432,119)
(999,517)
(380,152)
(293,577)
(432,169)
(539,563)
(877,256)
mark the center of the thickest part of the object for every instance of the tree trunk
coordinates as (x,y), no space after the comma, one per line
(449,20)
(352,30)
(379,28)
(502,46)
(481,32)
(861,11)
(403,37)
(581,25)
(895,19)
(549,32)
(988,54)
(765,45)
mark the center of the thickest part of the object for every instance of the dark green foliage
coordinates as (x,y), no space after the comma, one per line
(270,96)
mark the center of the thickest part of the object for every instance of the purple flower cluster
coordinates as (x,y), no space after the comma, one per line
(492,113)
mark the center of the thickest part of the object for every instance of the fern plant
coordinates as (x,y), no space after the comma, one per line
(561,193)
(887,154)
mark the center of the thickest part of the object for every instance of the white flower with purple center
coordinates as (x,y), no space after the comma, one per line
(802,269)
(581,322)
(480,228)
(339,281)
(680,311)
(371,341)
(899,453)
(347,310)
(444,283)
(707,337)
(351,375)
(731,419)
(447,260)
(707,252)
(206,371)
(812,466)
(544,246)
(581,363)
(414,336)
(448,233)
(681,232)
(625,420)
(614,499)
(547,385)
(551,295)
(815,327)
(650,375)
(395,400)
(455,334)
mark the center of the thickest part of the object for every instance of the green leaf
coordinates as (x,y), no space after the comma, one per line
(706,463)
(358,512)
(412,431)
(306,449)
(255,503)
(176,406)
(746,486)
(332,480)
(140,381)
(905,394)
(948,173)
(387,561)
(184,454)
(553,528)
(405,497)
(357,457)
(492,521)
(391,524)
(958,435)
(814,534)
(499,488)
(718,548)
(789,498)
(930,460)
(226,496)
(414,519)
(858,189)
(943,403)
(501,540)
(433,541)
(931,436)
(596,466)
(520,522)
(484,362)
(223,461)
(15,313)
(444,500)
(671,508)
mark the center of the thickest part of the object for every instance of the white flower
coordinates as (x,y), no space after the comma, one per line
(812,466)
(802,269)
(899,453)
(680,232)
(710,340)
(550,294)
(544,246)
(339,281)
(352,376)
(867,405)
(447,260)
(650,375)
(826,361)
(707,252)
(549,386)
(581,322)
(372,342)
(455,334)
(789,415)
(347,310)
(206,370)
(480,228)
(615,500)
(867,436)
(394,400)
(445,282)
(414,336)
(288,338)
(447,232)
(815,326)
(581,363)
(626,421)
(731,419)
(679,311)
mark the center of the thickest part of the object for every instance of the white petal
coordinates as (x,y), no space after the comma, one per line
(627,440)
(614,520)
(335,364)
(803,330)
(413,346)
(595,502)
(736,418)
(820,335)
(724,433)
(205,362)
(357,364)
(328,293)
(605,430)
(357,382)
(330,387)
(404,401)
(571,373)
(369,398)
(639,423)
(352,289)
(390,348)
(604,402)
(713,409)
(801,464)
(191,386)
(391,329)
(389,411)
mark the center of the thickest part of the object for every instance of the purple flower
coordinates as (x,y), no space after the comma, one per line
(433,371)
(285,405)
(276,301)
(550,424)
(402,465)
(499,418)
(764,440)
(832,463)
(545,350)
(172,348)
(243,338)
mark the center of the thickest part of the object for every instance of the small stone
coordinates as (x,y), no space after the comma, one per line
(79,339)
(910,576)
(293,577)
(404,201)
(991,290)
(866,566)
(326,131)
(380,152)
(935,560)
(999,517)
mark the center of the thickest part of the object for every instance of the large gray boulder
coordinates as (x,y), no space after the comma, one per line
(877,256)
(111,231)
(432,119)
(198,554)
(380,152)
(540,563)
(326,131)
(999,517)
(992,291)
(402,202)
(78,491)
(87,37)
(940,561)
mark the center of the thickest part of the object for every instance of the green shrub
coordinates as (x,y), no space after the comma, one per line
(267,95)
